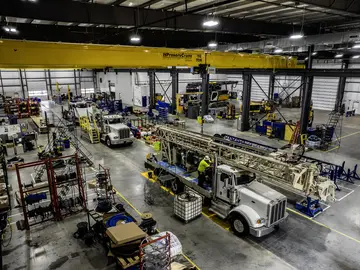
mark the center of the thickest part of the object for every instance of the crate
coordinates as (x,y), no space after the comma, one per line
(187,206)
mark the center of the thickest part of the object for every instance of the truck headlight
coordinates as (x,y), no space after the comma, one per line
(260,221)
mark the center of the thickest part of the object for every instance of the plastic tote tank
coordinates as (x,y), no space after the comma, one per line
(187,206)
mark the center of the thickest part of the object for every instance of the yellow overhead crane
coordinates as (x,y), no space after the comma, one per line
(34,54)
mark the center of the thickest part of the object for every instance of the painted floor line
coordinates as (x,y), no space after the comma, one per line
(336,147)
(325,226)
(343,197)
(348,135)
(137,211)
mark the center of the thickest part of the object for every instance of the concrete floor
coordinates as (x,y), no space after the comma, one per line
(329,241)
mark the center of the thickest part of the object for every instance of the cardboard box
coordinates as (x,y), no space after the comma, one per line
(124,233)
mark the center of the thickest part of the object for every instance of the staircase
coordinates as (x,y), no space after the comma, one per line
(63,131)
(332,129)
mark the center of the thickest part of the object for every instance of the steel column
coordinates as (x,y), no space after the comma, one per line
(22,83)
(151,74)
(175,87)
(305,106)
(205,93)
(2,85)
(271,87)
(246,97)
(341,88)
(50,84)
(76,92)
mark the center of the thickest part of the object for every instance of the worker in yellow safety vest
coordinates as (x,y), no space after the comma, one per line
(203,165)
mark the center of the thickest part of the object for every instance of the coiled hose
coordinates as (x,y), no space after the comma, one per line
(111,222)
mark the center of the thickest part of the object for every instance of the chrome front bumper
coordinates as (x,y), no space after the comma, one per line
(262,231)
(121,141)
(259,232)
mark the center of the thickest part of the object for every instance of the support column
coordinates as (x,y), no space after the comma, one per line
(2,86)
(50,83)
(151,74)
(305,107)
(302,89)
(341,88)
(271,87)
(175,87)
(246,97)
(205,93)
(22,83)
(76,92)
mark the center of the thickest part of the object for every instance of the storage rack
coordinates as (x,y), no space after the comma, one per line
(53,187)
(4,177)
(104,185)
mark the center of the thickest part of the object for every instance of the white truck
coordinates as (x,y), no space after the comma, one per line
(250,206)
(234,193)
(114,132)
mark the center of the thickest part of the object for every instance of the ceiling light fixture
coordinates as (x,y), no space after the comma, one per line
(278,50)
(211,23)
(10,29)
(356,56)
(339,55)
(135,38)
(356,46)
(314,53)
(130,4)
(212,44)
(296,36)
(307,58)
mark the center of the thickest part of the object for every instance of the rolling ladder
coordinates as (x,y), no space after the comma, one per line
(332,128)
(89,131)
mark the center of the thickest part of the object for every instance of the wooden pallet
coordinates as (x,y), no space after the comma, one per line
(125,263)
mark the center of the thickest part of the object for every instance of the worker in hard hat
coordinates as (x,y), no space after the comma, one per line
(203,165)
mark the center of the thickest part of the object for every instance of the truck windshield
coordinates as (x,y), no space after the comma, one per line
(114,120)
(242,179)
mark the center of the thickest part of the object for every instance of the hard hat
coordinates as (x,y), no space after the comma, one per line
(206,158)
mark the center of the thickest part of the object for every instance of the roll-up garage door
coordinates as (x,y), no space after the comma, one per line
(325,88)
(256,93)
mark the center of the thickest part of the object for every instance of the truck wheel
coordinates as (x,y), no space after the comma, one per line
(177,186)
(108,142)
(239,225)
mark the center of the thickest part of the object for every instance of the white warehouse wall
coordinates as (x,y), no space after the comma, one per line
(41,83)
(133,86)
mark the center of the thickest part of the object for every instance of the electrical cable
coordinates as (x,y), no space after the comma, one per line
(111,222)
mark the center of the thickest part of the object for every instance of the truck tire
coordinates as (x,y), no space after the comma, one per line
(108,142)
(177,186)
(239,225)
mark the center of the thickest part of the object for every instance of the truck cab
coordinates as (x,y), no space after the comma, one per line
(113,132)
(250,206)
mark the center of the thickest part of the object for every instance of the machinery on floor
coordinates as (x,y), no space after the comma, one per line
(233,192)
(278,168)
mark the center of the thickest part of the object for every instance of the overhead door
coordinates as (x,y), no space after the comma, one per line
(259,85)
(325,88)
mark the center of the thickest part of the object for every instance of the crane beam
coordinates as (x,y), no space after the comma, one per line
(33,54)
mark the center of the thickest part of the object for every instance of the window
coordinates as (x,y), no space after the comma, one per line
(224,177)
(37,93)
(86,91)
(243,178)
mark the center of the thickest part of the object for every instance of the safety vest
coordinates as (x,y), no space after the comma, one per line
(203,165)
